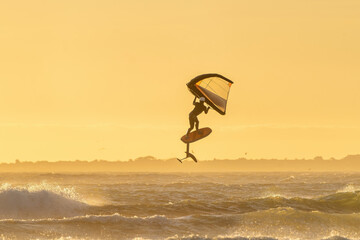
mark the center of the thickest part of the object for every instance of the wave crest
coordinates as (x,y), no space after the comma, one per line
(38,201)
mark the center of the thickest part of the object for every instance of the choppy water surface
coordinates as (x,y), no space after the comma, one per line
(180,206)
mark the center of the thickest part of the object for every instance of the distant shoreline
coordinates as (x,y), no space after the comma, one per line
(350,163)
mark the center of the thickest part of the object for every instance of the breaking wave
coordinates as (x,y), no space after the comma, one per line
(342,202)
(38,201)
(280,223)
(193,208)
(49,201)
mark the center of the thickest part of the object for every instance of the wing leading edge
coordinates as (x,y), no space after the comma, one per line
(214,88)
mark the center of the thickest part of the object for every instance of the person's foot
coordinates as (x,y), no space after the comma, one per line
(200,131)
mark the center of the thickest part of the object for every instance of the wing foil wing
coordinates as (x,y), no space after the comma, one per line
(214,88)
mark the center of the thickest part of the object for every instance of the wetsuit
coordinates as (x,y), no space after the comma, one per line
(199,108)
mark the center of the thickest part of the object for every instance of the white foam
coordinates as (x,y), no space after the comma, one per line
(350,188)
(38,201)
(270,194)
(112,218)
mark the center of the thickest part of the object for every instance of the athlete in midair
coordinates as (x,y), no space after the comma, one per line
(198,109)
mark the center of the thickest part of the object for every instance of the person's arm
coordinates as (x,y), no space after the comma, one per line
(206,110)
(194,101)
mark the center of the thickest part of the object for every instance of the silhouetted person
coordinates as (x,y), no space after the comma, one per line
(199,108)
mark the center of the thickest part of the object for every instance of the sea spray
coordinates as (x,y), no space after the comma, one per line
(38,201)
(181,206)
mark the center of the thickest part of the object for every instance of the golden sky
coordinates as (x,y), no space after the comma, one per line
(83,79)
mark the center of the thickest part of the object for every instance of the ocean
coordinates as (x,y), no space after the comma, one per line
(180,206)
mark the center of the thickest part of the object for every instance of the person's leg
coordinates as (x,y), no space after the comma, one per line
(191,120)
(197,123)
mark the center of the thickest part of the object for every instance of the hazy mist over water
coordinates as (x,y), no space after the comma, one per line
(180,206)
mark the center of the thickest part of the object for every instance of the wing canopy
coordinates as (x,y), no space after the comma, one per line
(214,88)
